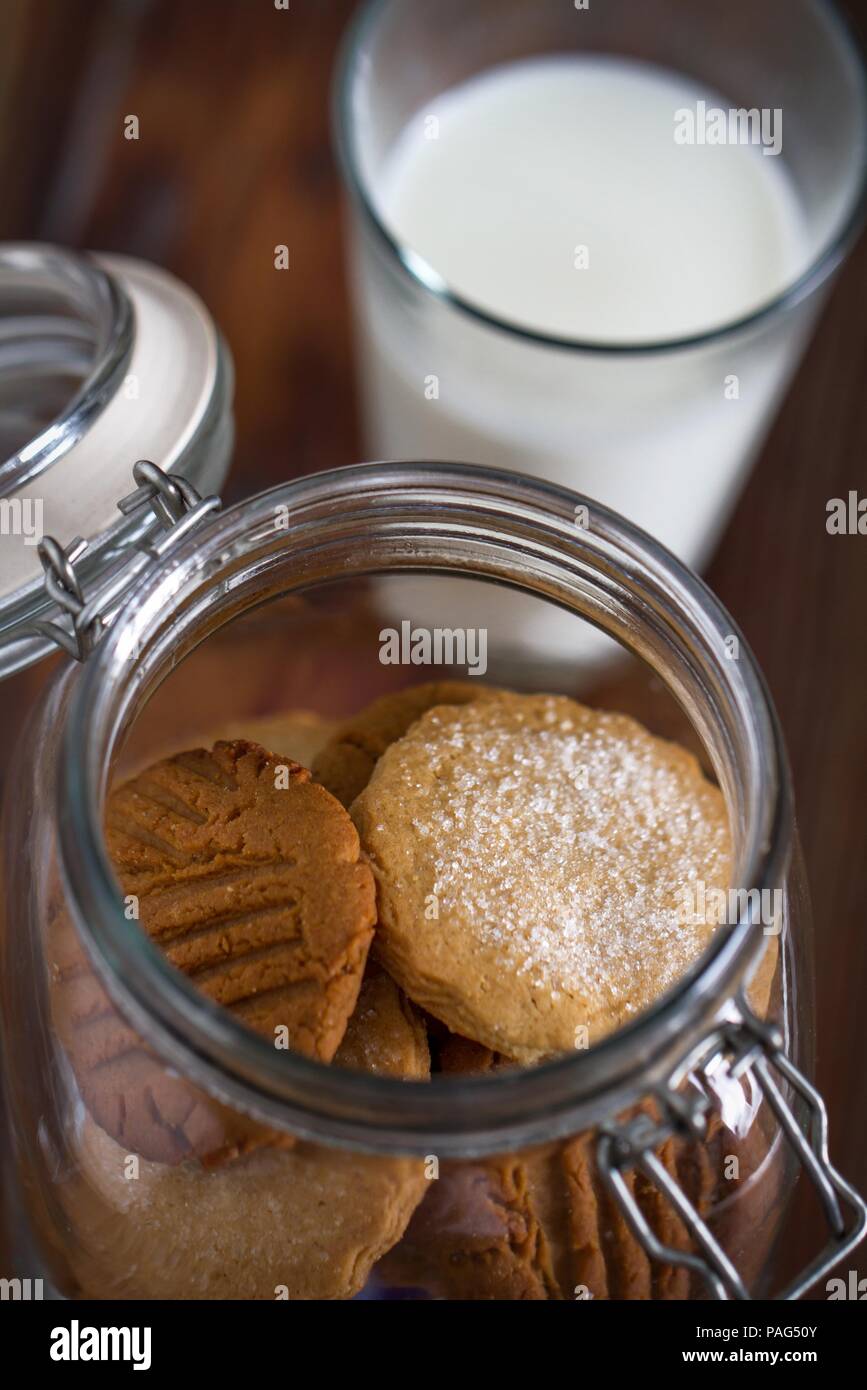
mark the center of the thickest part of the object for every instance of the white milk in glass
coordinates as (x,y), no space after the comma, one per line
(553,196)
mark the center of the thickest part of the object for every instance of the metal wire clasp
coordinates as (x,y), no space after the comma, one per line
(177,509)
(748,1048)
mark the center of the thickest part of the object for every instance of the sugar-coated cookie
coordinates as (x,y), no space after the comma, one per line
(345,763)
(533,860)
(305,1222)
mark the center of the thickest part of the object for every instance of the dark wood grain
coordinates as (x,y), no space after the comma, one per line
(234,158)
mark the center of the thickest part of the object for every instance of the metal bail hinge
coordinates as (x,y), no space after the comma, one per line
(177,509)
(745,1047)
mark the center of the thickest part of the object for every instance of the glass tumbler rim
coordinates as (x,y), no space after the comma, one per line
(395,517)
(427,279)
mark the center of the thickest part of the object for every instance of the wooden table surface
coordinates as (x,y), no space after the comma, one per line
(233,159)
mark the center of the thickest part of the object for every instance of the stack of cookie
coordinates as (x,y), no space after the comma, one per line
(482,877)
(541,869)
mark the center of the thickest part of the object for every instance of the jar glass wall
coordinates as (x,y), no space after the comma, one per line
(164,1150)
(72,333)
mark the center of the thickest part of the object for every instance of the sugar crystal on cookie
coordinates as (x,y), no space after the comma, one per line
(560,841)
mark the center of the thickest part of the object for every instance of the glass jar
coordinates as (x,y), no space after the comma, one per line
(89,348)
(657,1163)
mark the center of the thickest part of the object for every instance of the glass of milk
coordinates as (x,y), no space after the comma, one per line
(589,241)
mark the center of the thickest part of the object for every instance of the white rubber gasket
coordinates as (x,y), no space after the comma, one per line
(169,383)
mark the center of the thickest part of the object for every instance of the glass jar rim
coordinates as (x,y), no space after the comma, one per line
(426,278)
(96,299)
(437,517)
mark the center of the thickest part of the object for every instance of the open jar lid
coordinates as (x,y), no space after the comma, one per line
(102,361)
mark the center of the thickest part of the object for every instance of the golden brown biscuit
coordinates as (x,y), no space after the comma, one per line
(345,763)
(386,1035)
(574,1173)
(535,1225)
(476,1235)
(151,1111)
(542,1224)
(532,858)
(248,876)
(454,1055)
(304,1223)
(457,1056)
(668,1281)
